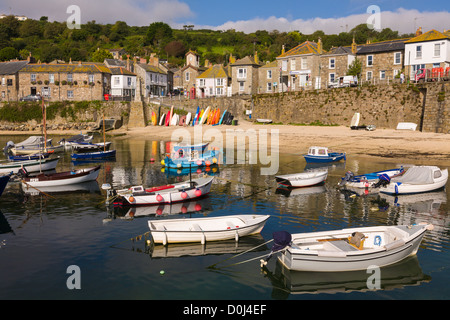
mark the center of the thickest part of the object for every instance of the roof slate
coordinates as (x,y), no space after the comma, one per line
(245,62)
(430,36)
(306,47)
(383,46)
(216,71)
(86,67)
(11,67)
(149,68)
(121,71)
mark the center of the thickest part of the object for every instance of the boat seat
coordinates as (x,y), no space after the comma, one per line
(339,245)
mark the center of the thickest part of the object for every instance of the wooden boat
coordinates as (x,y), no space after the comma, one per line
(417,179)
(205,229)
(177,192)
(93,155)
(321,154)
(61,178)
(368,179)
(35,156)
(348,249)
(3,182)
(27,151)
(30,165)
(304,179)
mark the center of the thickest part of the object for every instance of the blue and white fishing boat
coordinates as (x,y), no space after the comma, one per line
(322,155)
(191,159)
(368,179)
(93,155)
(190,147)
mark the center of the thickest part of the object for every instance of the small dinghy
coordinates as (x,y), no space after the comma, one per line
(30,165)
(304,179)
(205,229)
(177,192)
(61,178)
(416,180)
(368,179)
(347,249)
(322,154)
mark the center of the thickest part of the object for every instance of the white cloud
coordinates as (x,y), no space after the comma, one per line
(135,13)
(402,20)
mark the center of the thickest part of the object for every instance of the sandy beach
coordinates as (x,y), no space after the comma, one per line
(422,147)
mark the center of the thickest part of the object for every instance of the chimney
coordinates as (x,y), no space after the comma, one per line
(354,47)
(128,62)
(256,57)
(282,49)
(419,31)
(319,46)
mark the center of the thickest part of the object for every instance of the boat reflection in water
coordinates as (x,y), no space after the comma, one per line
(396,276)
(177,250)
(187,207)
(84,187)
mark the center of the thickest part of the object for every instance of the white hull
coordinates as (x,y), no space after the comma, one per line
(37,183)
(30,166)
(171,195)
(205,229)
(410,188)
(321,252)
(26,151)
(304,179)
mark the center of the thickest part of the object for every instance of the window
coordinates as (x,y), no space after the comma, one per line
(219,91)
(284,65)
(242,73)
(418,52)
(369,75)
(91,78)
(332,63)
(383,74)
(269,74)
(219,82)
(304,63)
(369,61)
(116,81)
(69,77)
(33,77)
(3,81)
(293,64)
(188,76)
(437,50)
(9,82)
(269,87)
(241,86)
(332,77)
(70,94)
(397,58)
(202,83)
(51,78)
(129,81)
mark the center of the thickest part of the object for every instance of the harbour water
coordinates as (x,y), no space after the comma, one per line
(43,235)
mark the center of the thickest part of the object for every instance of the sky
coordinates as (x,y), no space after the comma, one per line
(330,16)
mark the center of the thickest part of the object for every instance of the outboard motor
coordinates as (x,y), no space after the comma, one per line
(348,177)
(383,181)
(9,145)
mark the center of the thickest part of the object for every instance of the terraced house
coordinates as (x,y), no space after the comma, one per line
(213,82)
(9,76)
(72,81)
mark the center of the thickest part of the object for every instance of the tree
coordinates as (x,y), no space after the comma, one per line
(100,55)
(158,33)
(8,53)
(355,68)
(175,48)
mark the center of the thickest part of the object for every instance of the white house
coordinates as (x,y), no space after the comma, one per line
(154,79)
(428,50)
(123,84)
(213,82)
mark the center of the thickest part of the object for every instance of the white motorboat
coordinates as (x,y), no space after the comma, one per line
(348,249)
(304,179)
(205,229)
(177,192)
(416,180)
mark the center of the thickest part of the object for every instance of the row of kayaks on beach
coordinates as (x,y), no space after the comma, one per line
(207,116)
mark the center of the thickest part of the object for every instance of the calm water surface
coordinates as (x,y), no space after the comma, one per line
(41,236)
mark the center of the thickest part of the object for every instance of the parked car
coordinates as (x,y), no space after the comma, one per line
(31,98)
